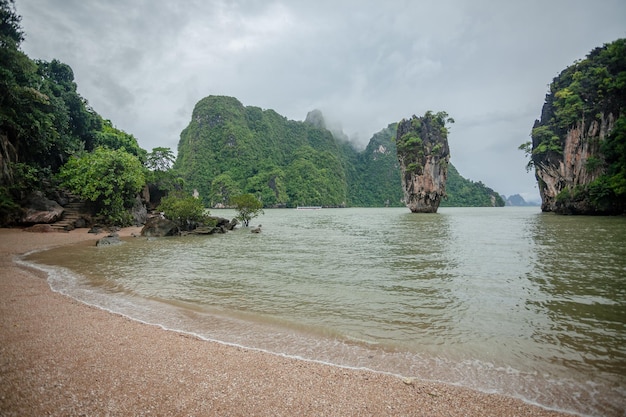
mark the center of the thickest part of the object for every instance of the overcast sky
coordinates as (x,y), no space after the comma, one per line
(144,64)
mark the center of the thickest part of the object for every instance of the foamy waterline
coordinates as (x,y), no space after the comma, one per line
(563,395)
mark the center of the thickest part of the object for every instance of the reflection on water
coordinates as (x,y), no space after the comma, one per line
(508,300)
(580,270)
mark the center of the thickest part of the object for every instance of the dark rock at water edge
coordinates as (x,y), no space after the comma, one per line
(222,225)
(223,222)
(159,227)
(40,228)
(111,239)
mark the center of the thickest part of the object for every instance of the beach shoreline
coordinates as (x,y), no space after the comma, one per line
(59,356)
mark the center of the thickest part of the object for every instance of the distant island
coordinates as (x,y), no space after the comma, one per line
(517,200)
(229,148)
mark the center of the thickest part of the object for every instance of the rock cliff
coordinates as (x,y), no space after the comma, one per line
(578,147)
(560,177)
(423,154)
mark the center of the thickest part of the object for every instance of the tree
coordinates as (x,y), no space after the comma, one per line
(161,177)
(248,207)
(109,178)
(187,212)
(10,31)
(160,159)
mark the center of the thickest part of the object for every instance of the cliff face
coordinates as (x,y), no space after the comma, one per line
(572,171)
(423,154)
(578,148)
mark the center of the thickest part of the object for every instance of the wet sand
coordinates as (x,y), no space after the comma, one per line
(61,357)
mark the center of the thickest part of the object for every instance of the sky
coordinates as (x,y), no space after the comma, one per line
(144,64)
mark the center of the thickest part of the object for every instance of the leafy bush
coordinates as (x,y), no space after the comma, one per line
(109,178)
(187,212)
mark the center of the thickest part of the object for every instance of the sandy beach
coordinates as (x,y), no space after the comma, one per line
(61,357)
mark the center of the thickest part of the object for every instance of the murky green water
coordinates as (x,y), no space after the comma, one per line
(508,300)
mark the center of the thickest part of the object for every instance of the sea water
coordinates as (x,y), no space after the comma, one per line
(507,300)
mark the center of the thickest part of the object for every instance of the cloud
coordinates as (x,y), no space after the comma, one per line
(145,63)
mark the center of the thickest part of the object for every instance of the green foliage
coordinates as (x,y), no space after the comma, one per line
(593,163)
(11,34)
(228,149)
(584,93)
(462,192)
(114,138)
(248,207)
(9,210)
(315,178)
(269,186)
(109,178)
(186,211)
(581,94)
(547,141)
(160,177)
(223,188)
(43,119)
(608,192)
(160,159)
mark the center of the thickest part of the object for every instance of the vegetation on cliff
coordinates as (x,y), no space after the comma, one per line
(462,192)
(578,148)
(230,149)
(45,123)
(423,154)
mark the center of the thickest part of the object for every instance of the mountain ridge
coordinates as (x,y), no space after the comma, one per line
(229,148)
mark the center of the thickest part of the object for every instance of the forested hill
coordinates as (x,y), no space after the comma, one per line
(228,149)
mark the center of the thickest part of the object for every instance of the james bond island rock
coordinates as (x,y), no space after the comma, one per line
(423,154)
(578,148)
(230,149)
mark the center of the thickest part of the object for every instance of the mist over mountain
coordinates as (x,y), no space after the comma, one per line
(229,148)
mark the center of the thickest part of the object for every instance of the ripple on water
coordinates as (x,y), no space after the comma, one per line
(506,300)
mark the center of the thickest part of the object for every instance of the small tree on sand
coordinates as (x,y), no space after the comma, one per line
(248,207)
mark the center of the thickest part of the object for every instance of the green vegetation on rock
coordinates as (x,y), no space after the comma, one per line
(186,211)
(111,179)
(229,149)
(583,130)
(466,193)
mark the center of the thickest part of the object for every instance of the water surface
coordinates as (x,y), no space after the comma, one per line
(506,300)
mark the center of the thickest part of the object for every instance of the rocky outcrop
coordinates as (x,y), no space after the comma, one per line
(39,209)
(423,154)
(159,227)
(570,171)
(139,211)
(577,147)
